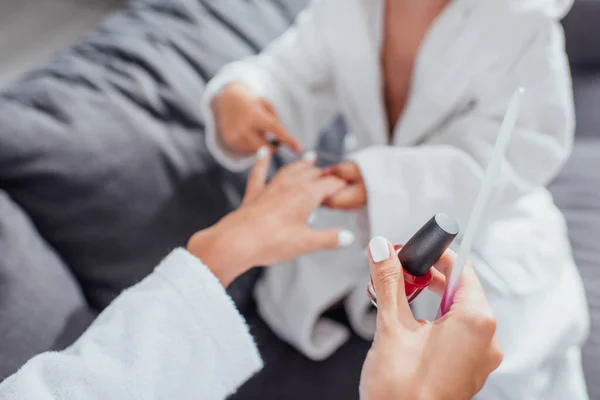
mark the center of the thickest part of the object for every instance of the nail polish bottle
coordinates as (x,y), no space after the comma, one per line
(419,254)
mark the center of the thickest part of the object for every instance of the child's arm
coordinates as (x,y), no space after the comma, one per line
(292,74)
(444,174)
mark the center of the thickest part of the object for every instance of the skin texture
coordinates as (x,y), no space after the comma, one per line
(411,359)
(271,225)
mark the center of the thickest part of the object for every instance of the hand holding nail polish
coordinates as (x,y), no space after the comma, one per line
(420,253)
(450,358)
(271,225)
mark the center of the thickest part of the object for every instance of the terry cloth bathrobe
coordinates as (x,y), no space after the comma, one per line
(476,53)
(175,335)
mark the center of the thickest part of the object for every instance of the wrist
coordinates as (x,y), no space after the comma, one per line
(223,250)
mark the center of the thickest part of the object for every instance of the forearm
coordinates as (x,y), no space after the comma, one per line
(174,335)
(293,74)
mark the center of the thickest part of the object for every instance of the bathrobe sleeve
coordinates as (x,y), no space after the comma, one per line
(293,73)
(175,335)
(407,185)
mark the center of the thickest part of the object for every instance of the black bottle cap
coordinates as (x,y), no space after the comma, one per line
(427,245)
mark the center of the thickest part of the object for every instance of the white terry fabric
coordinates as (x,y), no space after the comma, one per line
(175,335)
(474,56)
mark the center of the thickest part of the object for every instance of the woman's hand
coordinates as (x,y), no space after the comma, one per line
(450,358)
(352,197)
(244,120)
(271,225)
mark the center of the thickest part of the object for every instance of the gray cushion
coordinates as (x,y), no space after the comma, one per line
(586,85)
(576,193)
(41,306)
(582,31)
(104,147)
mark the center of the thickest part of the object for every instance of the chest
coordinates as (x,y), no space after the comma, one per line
(403,31)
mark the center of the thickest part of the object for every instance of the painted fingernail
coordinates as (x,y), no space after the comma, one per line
(262,152)
(345,238)
(380,250)
(311,218)
(310,156)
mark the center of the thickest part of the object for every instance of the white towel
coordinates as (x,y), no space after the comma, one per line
(293,296)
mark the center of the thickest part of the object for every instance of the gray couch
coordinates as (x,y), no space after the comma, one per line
(577,189)
(103,170)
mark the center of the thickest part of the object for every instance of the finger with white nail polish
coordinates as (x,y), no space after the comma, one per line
(379,249)
(345,238)
(387,278)
(311,218)
(310,156)
(263,152)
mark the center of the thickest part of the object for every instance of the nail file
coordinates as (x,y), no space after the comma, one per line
(491,175)
(324,158)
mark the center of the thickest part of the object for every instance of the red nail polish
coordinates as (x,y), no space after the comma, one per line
(419,254)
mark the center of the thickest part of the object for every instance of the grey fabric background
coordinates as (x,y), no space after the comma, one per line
(104,149)
(103,171)
(583,31)
(577,193)
(41,306)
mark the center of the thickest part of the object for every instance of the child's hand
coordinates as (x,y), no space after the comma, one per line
(353,196)
(244,120)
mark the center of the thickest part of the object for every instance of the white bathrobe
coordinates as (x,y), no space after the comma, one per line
(176,335)
(474,56)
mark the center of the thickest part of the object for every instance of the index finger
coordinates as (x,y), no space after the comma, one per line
(469,285)
(445,262)
(275,128)
(470,292)
(441,272)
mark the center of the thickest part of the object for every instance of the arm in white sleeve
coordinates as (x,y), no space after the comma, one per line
(175,335)
(407,185)
(293,73)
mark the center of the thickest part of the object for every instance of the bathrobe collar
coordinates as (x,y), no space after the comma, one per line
(364,95)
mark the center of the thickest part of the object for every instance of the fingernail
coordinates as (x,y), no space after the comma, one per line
(345,238)
(262,152)
(379,249)
(311,218)
(310,156)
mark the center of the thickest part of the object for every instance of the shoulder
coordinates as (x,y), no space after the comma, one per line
(499,34)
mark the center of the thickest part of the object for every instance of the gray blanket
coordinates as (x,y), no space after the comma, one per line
(102,163)
(103,171)
(103,148)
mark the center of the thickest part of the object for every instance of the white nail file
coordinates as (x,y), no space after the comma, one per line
(491,175)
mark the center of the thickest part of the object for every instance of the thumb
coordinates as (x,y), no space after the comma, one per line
(388,280)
